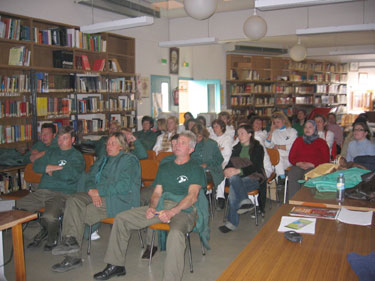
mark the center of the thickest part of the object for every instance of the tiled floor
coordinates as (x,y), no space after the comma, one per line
(224,248)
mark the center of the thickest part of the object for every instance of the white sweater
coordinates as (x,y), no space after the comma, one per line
(285,136)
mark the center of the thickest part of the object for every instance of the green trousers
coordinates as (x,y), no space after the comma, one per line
(135,219)
(53,202)
(79,212)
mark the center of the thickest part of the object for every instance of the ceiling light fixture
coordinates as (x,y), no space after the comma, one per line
(266,5)
(188,42)
(336,29)
(255,27)
(117,24)
(200,9)
(298,52)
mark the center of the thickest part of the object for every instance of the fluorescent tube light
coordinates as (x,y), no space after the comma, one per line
(266,5)
(188,42)
(336,29)
(117,24)
(353,52)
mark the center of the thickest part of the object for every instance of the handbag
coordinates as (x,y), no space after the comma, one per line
(365,190)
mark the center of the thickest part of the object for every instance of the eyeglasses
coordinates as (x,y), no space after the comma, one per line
(359,130)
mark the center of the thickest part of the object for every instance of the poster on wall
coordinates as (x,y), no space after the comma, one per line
(144,87)
(174,58)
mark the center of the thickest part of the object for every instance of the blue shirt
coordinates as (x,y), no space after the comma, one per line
(360,148)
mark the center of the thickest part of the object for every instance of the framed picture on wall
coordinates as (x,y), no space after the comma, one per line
(174,59)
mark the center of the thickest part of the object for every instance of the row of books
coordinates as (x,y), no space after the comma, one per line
(90,126)
(9,182)
(246,100)
(13,29)
(82,62)
(15,133)
(56,106)
(92,84)
(69,37)
(12,108)
(49,83)
(305,66)
(331,99)
(15,83)
(19,55)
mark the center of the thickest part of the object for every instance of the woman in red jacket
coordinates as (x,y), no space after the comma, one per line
(307,152)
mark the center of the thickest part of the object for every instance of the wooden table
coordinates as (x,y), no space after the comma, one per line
(269,256)
(305,197)
(14,219)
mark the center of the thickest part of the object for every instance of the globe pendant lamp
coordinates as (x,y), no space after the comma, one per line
(298,52)
(200,9)
(255,27)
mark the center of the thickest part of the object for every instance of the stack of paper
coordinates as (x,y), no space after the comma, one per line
(300,225)
(355,217)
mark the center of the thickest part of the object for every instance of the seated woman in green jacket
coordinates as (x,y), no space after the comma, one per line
(112,186)
(208,155)
(135,146)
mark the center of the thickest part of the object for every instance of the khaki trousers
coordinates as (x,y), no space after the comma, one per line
(53,202)
(135,219)
(79,212)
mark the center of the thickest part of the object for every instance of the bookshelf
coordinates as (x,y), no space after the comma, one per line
(51,71)
(264,84)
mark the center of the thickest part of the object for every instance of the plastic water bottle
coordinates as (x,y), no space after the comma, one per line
(340,193)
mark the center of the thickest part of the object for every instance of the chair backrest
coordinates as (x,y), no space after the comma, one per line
(89,160)
(162,154)
(151,154)
(274,156)
(30,176)
(149,169)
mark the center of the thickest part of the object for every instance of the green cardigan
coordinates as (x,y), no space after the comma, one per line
(119,182)
(207,151)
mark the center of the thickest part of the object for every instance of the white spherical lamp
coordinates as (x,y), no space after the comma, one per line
(298,52)
(200,9)
(255,27)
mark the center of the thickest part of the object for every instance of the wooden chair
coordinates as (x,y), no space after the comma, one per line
(149,169)
(30,176)
(252,195)
(166,227)
(109,221)
(151,155)
(162,154)
(89,160)
(275,159)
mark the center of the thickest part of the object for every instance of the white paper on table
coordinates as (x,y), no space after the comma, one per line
(355,217)
(309,229)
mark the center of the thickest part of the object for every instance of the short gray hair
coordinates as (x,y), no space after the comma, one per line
(121,140)
(191,136)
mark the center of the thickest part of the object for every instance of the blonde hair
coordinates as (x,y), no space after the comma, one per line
(116,123)
(121,140)
(174,118)
(226,114)
(280,115)
(162,123)
(201,130)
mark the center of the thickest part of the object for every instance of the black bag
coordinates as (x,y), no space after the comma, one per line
(367,161)
(365,190)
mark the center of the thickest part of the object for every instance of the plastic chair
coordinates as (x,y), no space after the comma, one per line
(162,154)
(108,221)
(166,227)
(149,169)
(275,159)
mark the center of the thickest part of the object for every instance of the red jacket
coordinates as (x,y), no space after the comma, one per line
(316,152)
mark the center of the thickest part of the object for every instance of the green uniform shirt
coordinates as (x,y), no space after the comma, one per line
(40,146)
(299,128)
(64,180)
(148,138)
(176,179)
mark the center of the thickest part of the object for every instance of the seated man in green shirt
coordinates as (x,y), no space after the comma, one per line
(61,168)
(178,184)
(147,137)
(47,140)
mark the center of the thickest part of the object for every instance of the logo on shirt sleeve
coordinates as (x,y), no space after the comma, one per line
(182,179)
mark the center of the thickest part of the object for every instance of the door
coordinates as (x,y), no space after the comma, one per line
(160,94)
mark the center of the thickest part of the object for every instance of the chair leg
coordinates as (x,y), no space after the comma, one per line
(225,210)
(202,247)
(256,204)
(210,202)
(285,188)
(190,254)
(269,194)
(140,238)
(60,226)
(89,244)
(152,247)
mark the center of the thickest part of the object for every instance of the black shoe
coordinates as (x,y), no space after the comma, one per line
(67,264)
(146,253)
(68,246)
(245,208)
(42,235)
(109,271)
(224,229)
(49,246)
(220,204)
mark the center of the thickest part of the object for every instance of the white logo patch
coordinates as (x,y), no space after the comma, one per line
(62,162)
(182,179)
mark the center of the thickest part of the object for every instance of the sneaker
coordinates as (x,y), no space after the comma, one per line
(68,246)
(146,253)
(49,246)
(42,235)
(95,236)
(245,208)
(224,229)
(67,264)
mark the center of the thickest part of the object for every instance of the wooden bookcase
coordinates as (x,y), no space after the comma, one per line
(264,84)
(56,86)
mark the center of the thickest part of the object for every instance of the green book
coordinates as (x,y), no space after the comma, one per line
(298,224)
